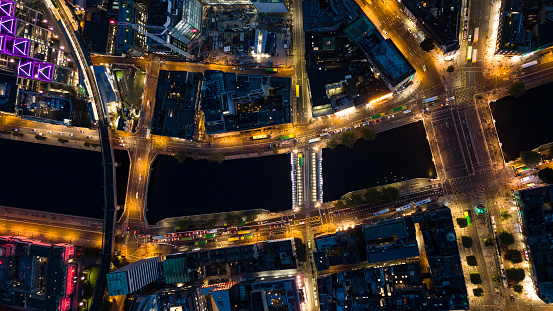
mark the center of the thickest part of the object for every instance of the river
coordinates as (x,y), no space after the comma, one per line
(524,123)
(398,154)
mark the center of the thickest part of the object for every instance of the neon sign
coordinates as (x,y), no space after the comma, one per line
(6,8)
(20,47)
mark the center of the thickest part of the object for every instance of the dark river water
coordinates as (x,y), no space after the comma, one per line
(56,179)
(398,154)
(201,187)
(70,181)
(524,123)
(51,179)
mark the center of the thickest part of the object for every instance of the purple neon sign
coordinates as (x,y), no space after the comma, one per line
(20,47)
(25,68)
(6,8)
(43,71)
(7,25)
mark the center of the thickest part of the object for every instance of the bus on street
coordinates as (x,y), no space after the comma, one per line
(529,64)
(384,211)
(261,136)
(399,109)
(474,55)
(469,53)
(271,69)
(430,99)
(376,116)
(298,91)
(475,39)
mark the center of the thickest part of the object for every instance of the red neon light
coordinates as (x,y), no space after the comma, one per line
(70,285)
(65,304)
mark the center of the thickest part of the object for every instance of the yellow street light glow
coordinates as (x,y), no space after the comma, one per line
(381,98)
(345,111)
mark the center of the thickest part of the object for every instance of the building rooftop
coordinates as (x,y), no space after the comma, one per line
(176,104)
(441,19)
(390,240)
(381,52)
(44,107)
(343,247)
(328,15)
(263,256)
(233,102)
(34,274)
(96,29)
(536,206)
(8,92)
(524,27)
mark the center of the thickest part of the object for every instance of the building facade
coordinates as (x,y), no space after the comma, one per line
(536,217)
(134,276)
(36,275)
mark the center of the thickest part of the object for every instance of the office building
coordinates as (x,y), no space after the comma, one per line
(524,28)
(277,294)
(442,255)
(271,6)
(102,34)
(173,298)
(8,92)
(36,275)
(235,102)
(384,56)
(99,33)
(130,41)
(536,217)
(390,240)
(176,270)
(441,20)
(228,2)
(132,277)
(340,248)
(263,6)
(399,277)
(176,104)
(218,296)
(182,20)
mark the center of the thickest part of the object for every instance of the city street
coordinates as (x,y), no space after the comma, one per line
(459,125)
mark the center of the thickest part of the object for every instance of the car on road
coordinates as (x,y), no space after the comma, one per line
(34,130)
(410,31)
(385,32)
(512,298)
(61,133)
(424,68)
(391,116)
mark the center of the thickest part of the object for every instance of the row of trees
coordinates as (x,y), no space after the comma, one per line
(371,197)
(348,138)
(182,156)
(231,219)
